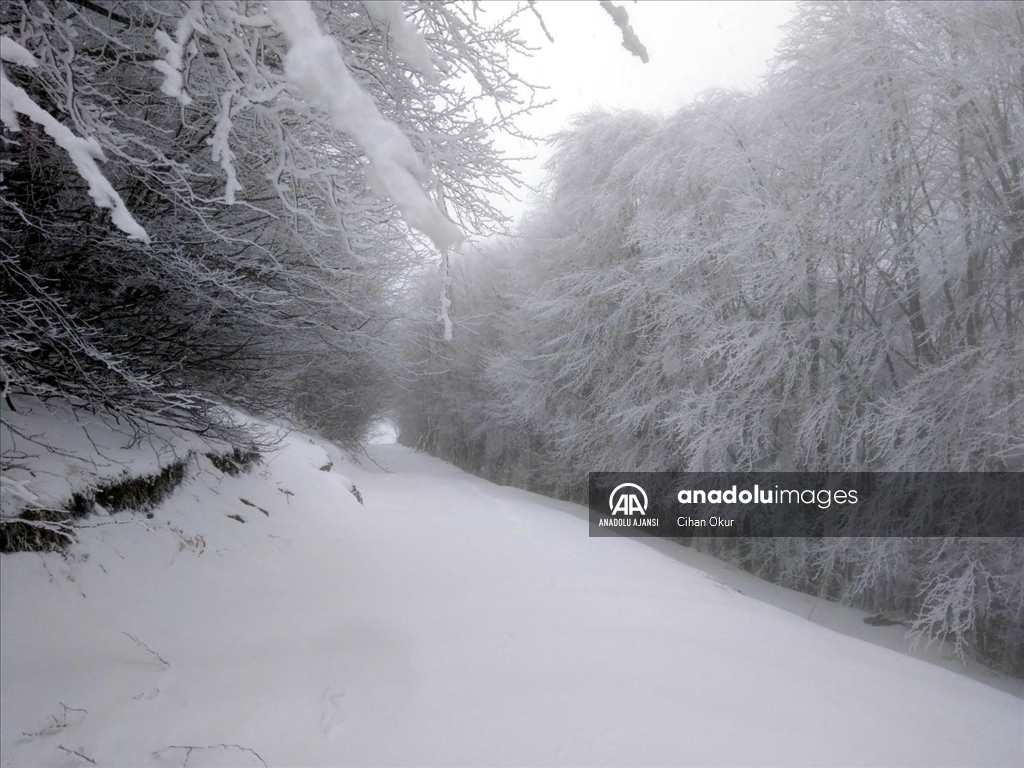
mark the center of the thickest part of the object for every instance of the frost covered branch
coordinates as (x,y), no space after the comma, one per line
(409,43)
(629,39)
(84,153)
(314,63)
(222,147)
(173,63)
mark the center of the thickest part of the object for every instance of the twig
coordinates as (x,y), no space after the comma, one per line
(367,454)
(57,725)
(189,749)
(76,753)
(145,647)
(540,18)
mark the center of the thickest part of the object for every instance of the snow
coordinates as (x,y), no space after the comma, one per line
(314,63)
(83,152)
(222,147)
(15,53)
(629,39)
(404,38)
(444,621)
(65,450)
(383,432)
(173,64)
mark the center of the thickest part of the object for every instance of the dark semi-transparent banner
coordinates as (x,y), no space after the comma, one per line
(669,504)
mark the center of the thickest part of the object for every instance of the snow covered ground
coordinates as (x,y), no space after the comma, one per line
(443,621)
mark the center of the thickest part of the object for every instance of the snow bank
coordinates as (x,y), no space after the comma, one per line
(271,618)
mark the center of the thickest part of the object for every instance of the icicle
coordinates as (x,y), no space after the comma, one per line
(446,302)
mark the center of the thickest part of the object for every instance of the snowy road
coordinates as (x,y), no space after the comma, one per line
(445,622)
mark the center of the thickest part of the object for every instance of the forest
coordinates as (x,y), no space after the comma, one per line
(824,275)
(288,208)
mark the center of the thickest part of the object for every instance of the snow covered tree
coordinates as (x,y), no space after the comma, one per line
(219,199)
(825,275)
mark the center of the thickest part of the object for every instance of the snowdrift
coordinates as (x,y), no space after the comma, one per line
(321,611)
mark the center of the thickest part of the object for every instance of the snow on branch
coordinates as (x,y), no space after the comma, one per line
(629,39)
(409,44)
(544,27)
(222,148)
(172,65)
(84,153)
(314,63)
(14,53)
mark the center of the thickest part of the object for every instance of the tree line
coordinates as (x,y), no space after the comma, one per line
(824,275)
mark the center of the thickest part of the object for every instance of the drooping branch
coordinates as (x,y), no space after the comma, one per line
(629,39)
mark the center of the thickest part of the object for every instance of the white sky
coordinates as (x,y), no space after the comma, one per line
(693,46)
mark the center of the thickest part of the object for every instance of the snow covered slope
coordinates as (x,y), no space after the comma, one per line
(444,621)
